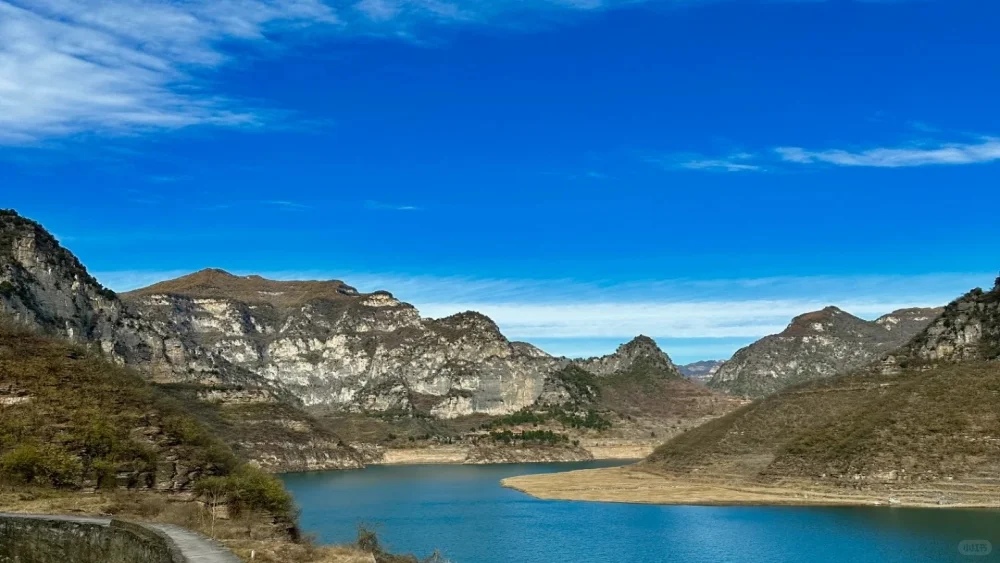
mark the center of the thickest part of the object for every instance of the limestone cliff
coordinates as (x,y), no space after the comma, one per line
(814,345)
(44,286)
(336,348)
(967,330)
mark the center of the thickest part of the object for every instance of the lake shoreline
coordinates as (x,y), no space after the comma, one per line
(470,455)
(628,485)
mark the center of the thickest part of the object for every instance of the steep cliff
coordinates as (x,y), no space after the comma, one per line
(815,345)
(968,329)
(336,348)
(44,286)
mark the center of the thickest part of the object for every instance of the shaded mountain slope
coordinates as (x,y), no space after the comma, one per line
(815,345)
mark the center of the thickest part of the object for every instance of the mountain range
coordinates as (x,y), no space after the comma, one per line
(299,375)
(296,374)
(923,416)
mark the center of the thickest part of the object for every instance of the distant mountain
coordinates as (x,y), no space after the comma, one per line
(922,418)
(701,371)
(815,345)
(637,386)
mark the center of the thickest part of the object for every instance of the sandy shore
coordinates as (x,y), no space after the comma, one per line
(630,485)
(461,454)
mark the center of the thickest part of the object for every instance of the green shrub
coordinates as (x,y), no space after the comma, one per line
(40,464)
(105,474)
(249,489)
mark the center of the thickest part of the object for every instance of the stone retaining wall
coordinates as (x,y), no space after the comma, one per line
(66,539)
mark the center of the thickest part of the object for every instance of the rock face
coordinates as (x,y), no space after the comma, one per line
(701,371)
(44,285)
(336,348)
(641,349)
(967,330)
(814,345)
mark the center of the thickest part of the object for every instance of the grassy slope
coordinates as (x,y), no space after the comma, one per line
(923,424)
(88,420)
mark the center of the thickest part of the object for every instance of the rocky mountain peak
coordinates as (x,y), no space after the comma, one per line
(44,285)
(214,283)
(469,324)
(640,345)
(827,319)
(815,345)
(641,352)
(968,329)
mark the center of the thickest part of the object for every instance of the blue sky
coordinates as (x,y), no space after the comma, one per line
(582,171)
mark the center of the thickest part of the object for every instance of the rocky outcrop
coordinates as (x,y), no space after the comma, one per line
(701,371)
(641,349)
(814,345)
(45,286)
(967,330)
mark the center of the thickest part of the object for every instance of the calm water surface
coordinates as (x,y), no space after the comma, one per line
(464,512)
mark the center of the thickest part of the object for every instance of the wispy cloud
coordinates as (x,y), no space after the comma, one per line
(280,204)
(925,153)
(379,206)
(985,150)
(125,67)
(72,66)
(286,204)
(736,162)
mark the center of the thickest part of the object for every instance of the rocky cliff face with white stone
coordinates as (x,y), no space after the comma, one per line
(43,286)
(275,367)
(336,348)
(815,345)
(967,331)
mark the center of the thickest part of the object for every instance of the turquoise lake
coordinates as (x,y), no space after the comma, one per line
(463,511)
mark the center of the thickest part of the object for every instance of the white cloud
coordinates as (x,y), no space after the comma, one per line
(123,67)
(986,150)
(379,206)
(739,162)
(74,66)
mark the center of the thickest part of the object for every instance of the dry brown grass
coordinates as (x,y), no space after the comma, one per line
(219,284)
(632,485)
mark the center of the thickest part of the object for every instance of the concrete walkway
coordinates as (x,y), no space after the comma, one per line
(194,547)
